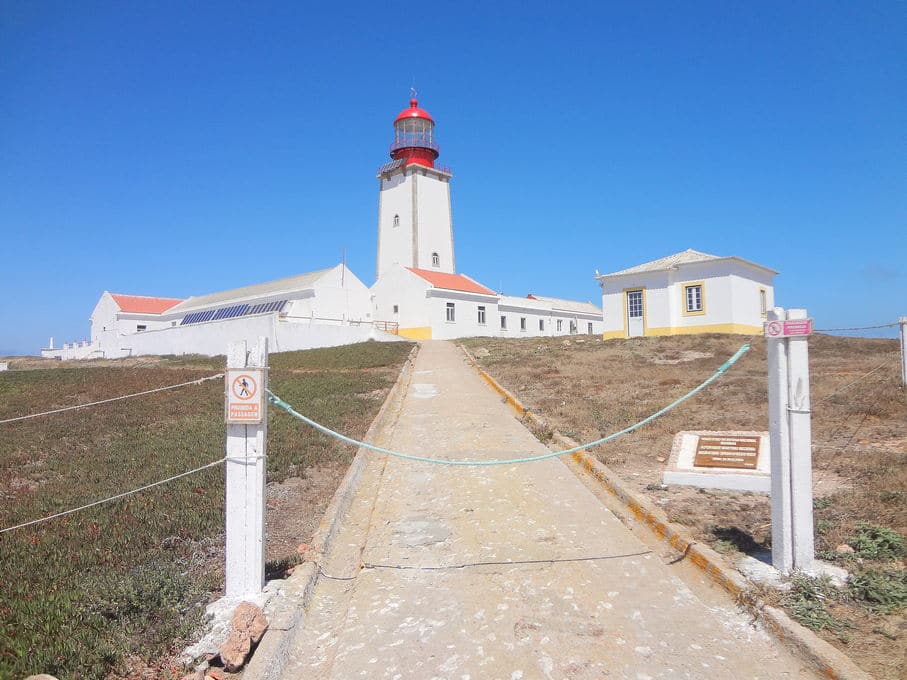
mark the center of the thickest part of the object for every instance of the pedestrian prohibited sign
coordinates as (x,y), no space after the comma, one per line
(245,396)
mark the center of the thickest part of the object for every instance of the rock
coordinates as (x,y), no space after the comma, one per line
(661,459)
(41,676)
(566,343)
(481,352)
(246,629)
(303,549)
(196,675)
(844,549)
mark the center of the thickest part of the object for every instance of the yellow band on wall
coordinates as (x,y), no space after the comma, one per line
(417,333)
(734,328)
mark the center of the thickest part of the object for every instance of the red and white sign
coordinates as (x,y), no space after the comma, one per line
(244,396)
(789,328)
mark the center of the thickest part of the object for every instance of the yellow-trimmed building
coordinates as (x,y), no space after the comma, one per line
(686,293)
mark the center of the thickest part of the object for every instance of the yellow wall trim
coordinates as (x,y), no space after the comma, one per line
(737,328)
(417,333)
(733,328)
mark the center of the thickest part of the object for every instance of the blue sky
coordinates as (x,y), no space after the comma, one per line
(182,148)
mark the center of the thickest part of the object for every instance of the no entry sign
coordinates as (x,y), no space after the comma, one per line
(245,396)
(788,328)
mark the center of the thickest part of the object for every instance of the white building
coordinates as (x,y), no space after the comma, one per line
(685,293)
(316,309)
(418,290)
(418,293)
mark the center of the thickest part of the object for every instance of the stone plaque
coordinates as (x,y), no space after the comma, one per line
(727,451)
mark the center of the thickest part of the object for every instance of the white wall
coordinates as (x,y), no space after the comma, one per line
(339,294)
(400,287)
(395,244)
(730,293)
(211,338)
(103,320)
(466,317)
(431,191)
(434,222)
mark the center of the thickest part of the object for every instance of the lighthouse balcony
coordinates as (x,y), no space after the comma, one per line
(410,141)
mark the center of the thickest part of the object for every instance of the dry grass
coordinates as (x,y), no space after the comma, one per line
(587,388)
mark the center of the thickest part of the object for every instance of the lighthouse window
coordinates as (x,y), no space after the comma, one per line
(396,220)
(396,309)
(435,260)
(451,312)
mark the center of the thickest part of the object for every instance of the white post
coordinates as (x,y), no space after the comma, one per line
(903,322)
(779,438)
(801,458)
(245,484)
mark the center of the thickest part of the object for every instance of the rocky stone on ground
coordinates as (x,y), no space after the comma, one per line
(246,630)
(41,676)
(844,549)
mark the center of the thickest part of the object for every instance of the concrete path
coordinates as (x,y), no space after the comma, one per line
(509,572)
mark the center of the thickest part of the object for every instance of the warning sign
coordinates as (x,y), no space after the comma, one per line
(245,403)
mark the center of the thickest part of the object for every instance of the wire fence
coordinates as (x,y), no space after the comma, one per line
(112,399)
(113,498)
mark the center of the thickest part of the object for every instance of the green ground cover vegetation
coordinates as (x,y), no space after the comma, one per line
(83,594)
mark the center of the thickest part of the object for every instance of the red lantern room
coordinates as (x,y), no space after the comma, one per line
(414,137)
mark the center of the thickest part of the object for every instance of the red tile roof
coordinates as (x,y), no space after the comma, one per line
(452,281)
(142,304)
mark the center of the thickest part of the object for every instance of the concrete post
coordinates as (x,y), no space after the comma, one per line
(245,485)
(779,438)
(801,458)
(903,322)
(793,543)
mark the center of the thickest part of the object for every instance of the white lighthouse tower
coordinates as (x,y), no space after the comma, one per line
(415,228)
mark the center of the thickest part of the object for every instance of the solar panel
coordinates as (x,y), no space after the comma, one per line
(233,311)
(392,165)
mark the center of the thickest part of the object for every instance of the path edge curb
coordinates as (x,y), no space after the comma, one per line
(828,660)
(289,604)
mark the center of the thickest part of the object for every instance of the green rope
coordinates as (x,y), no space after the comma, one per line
(277,401)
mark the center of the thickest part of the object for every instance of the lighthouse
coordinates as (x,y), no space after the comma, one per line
(415,228)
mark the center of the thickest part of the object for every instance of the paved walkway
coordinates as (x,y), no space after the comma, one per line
(504,572)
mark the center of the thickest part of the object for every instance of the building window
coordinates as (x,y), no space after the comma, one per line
(396,220)
(481,315)
(451,314)
(172,323)
(763,302)
(589,326)
(560,325)
(435,260)
(693,298)
(141,327)
(503,323)
(523,323)
(572,326)
(396,309)
(541,324)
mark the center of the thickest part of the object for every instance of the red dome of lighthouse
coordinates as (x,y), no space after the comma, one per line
(414,112)
(414,137)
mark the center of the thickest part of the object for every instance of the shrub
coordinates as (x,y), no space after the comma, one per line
(876,542)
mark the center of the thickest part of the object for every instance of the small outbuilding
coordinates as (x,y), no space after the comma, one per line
(686,293)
